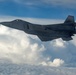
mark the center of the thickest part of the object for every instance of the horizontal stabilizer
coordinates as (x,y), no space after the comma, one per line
(70,19)
(67,39)
(46,38)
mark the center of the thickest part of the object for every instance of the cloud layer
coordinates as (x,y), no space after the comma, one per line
(25,69)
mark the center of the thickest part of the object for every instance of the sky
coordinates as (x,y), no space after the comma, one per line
(20,48)
(50,9)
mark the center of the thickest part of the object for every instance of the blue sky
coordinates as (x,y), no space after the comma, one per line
(56,9)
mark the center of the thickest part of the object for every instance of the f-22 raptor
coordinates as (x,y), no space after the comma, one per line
(46,32)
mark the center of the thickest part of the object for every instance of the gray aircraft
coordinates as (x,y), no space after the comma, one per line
(46,32)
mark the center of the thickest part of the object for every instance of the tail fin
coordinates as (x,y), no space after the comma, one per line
(70,19)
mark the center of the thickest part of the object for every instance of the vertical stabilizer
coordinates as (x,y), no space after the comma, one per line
(70,19)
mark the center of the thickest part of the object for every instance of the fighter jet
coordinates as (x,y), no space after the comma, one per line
(46,32)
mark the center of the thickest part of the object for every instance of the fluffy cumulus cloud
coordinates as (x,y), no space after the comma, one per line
(16,48)
(21,48)
(56,63)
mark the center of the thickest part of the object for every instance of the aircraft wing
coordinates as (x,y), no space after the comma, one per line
(46,38)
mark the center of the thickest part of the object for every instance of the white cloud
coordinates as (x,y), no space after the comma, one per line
(59,43)
(18,47)
(64,3)
(56,63)
(34,3)
(60,2)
